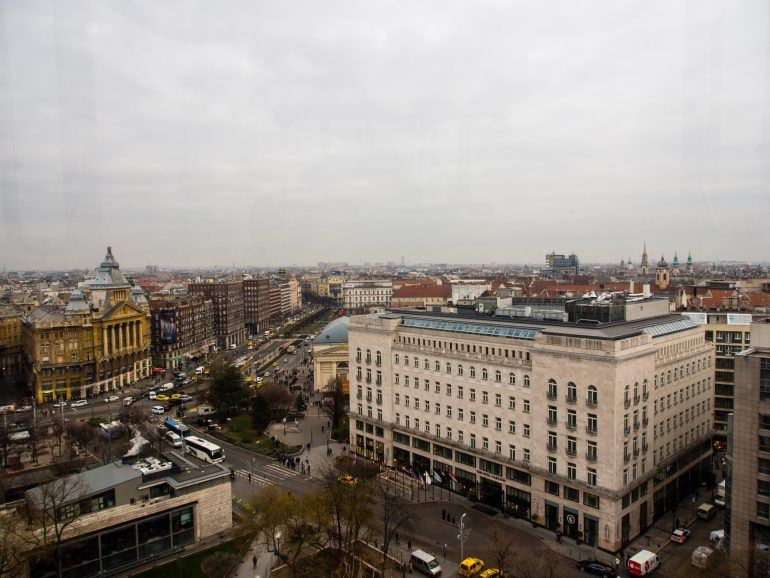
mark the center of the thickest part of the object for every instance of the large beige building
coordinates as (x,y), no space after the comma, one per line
(593,427)
(330,355)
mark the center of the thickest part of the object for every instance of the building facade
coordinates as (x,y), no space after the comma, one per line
(11,343)
(256,303)
(592,429)
(331,356)
(729,334)
(747,515)
(227,300)
(94,345)
(182,330)
(359,295)
(563,264)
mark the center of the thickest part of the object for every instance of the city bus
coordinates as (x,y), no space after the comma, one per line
(177,427)
(204,450)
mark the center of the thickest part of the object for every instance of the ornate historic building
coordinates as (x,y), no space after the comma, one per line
(95,344)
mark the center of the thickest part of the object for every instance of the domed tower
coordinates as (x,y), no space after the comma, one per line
(110,286)
(139,298)
(662,274)
(645,262)
(675,264)
(77,304)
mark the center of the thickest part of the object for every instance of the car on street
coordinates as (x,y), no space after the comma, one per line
(471,567)
(24,408)
(61,403)
(680,535)
(162,397)
(490,573)
(111,399)
(286,360)
(158,409)
(596,568)
(79,403)
(184,397)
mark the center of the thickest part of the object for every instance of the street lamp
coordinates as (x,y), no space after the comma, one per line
(461,537)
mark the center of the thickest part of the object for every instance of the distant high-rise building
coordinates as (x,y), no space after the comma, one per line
(182,329)
(562,264)
(256,299)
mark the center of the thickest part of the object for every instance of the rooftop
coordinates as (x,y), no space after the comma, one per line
(334,332)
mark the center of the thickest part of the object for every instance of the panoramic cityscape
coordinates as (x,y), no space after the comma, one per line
(369,290)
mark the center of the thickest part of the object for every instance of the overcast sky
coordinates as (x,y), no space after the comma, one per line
(201,133)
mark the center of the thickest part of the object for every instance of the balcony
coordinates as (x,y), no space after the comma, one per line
(646,395)
(636,424)
(378,381)
(359,395)
(636,399)
(591,456)
(368,379)
(626,430)
(626,403)
(571,425)
(368,361)
(551,446)
(645,421)
(626,458)
(636,452)
(590,402)
(551,395)
(369,397)
(379,401)
(378,363)
(358,359)
(571,451)
(551,421)
(591,431)
(571,398)
(359,377)
(645,447)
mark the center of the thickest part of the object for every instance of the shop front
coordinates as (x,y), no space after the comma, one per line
(518,503)
(465,482)
(491,493)
(571,523)
(590,530)
(551,516)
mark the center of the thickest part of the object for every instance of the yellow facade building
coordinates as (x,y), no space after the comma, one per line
(11,342)
(96,344)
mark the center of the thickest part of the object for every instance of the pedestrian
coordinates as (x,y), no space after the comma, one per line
(678,523)
(409,544)
(617,564)
(249,477)
(397,540)
(444,551)
(254,562)
(410,566)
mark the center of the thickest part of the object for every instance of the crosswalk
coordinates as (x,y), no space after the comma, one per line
(268,474)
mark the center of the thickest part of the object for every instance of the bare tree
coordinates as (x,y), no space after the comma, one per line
(277,399)
(543,563)
(336,401)
(13,537)
(501,550)
(394,515)
(51,509)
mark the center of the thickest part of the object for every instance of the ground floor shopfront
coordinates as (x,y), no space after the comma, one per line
(90,381)
(584,514)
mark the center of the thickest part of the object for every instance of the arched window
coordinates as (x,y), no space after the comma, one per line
(416,362)
(645,394)
(406,360)
(526,381)
(593,395)
(426,363)
(627,395)
(397,359)
(484,374)
(368,356)
(378,358)
(473,371)
(460,369)
(449,368)
(552,389)
(438,366)
(636,392)
(498,376)
(512,378)
(358,354)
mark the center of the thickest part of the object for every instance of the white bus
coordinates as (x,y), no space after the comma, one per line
(203,449)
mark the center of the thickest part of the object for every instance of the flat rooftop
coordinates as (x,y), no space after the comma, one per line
(528,328)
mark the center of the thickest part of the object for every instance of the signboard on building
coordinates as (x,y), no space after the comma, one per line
(167,327)
(739,318)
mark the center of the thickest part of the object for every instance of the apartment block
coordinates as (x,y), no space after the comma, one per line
(361,294)
(182,329)
(593,428)
(256,300)
(747,515)
(227,299)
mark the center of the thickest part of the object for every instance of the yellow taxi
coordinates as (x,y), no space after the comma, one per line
(249,379)
(161,397)
(490,573)
(347,479)
(176,395)
(471,567)
(275,364)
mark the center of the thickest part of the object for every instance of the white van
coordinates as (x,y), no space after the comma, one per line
(167,386)
(706,511)
(152,395)
(158,409)
(199,370)
(174,439)
(206,410)
(425,563)
(643,563)
(719,494)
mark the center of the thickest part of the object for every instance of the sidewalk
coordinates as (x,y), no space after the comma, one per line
(265,561)
(658,535)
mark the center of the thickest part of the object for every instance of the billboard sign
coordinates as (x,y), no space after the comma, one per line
(168,329)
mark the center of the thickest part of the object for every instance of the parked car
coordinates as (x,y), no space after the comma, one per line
(184,397)
(680,535)
(111,399)
(79,403)
(24,408)
(706,511)
(596,568)
(61,403)
(490,573)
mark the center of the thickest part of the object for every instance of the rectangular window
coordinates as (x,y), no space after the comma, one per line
(526,406)
(591,500)
(571,494)
(552,487)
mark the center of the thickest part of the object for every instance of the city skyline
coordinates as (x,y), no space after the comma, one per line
(288,134)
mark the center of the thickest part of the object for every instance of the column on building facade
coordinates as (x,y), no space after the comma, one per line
(112,340)
(104,342)
(133,335)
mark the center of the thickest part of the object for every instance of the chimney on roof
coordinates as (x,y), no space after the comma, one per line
(646,289)
(631,287)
